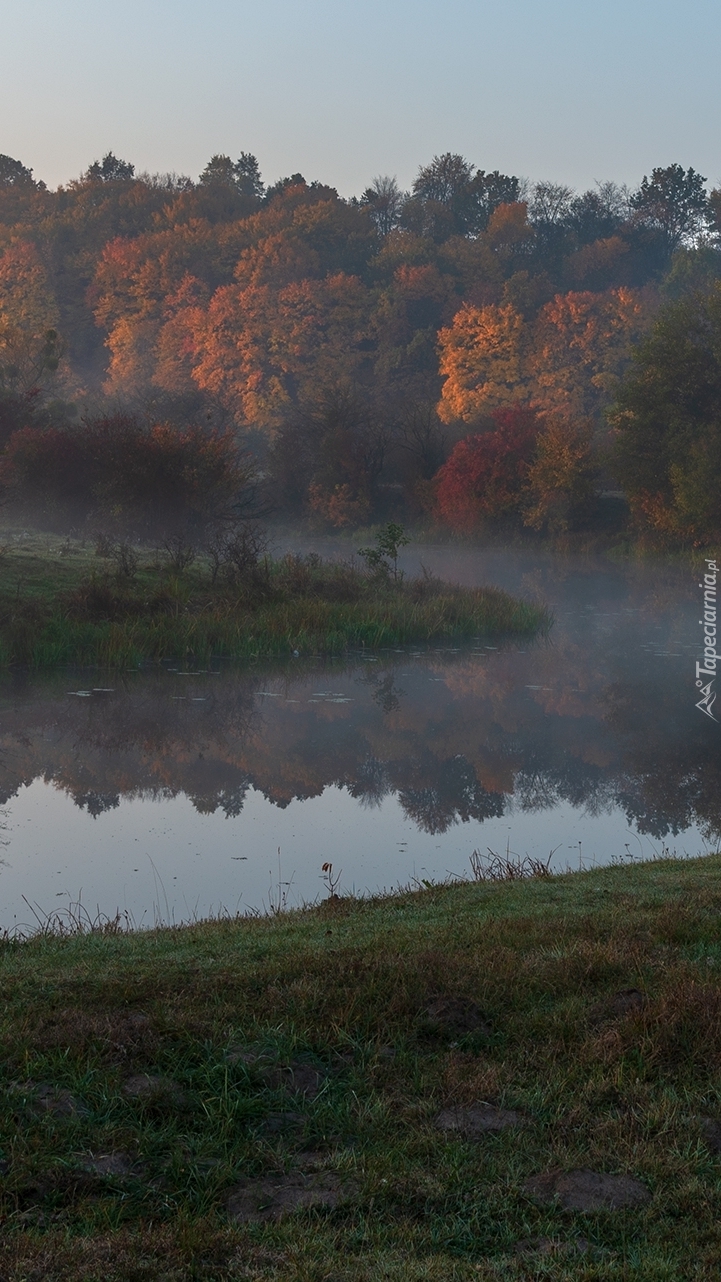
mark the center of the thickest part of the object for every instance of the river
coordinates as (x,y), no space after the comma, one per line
(168,793)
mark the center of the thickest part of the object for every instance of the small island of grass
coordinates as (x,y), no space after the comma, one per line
(118,605)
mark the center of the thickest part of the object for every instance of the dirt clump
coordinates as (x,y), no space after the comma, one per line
(454,1016)
(711,1133)
(109,1165)
(627,1001)
(275,1196)
(152,1089)
(480,1119)
(583,1190)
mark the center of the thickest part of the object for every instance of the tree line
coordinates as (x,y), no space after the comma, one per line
(480,349)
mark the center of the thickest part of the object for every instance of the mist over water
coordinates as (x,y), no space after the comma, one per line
(166,793)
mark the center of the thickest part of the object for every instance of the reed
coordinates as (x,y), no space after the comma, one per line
(301,605)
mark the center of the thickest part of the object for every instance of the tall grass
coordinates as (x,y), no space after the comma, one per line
(290,606)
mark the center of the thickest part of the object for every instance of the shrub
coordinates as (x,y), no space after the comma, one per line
(153,481)
(484,477)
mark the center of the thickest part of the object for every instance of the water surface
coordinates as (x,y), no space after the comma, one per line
(167,794)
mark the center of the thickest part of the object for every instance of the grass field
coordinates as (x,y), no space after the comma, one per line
(60,603)
(363,1090)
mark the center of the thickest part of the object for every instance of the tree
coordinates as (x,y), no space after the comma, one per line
(549,213)
(443,179)
(389,541)
(243,174)
(597,215)
(329,454)
(452,198)
(384,201)
(581,345)
(14,174)
(561,478)
(484,477)
(482,359)
(667,419)
(109,169)
(485,193)
(438,206)
(262,350)
(674,203)
(569,357)
(551,204)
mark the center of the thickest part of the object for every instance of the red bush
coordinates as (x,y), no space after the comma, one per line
(116,471)
(483,478)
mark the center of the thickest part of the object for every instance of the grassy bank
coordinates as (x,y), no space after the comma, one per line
(165,1095)
(60,603)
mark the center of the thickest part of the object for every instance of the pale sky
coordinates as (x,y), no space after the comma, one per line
(342,90)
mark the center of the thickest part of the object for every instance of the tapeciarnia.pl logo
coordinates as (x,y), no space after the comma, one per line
(710,657)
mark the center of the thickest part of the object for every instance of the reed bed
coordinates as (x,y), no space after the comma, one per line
(294,605)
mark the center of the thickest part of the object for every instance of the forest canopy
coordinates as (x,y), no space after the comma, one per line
(353,345)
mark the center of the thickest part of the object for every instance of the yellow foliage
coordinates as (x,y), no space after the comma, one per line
(482,359)
(569,359)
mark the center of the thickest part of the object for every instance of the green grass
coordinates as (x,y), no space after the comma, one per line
(60,604)
(345,988)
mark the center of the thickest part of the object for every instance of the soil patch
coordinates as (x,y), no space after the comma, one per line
(275,1196)
(454,1016)
(478,1120)
(110,1165)
(283,1121)
(711,1132)
(46,1098)
(297,1079)
(584,1190)
(154,1090)
(628,1001)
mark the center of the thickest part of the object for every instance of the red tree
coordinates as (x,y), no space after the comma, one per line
(484,476)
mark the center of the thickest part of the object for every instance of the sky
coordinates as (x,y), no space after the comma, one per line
(344,90)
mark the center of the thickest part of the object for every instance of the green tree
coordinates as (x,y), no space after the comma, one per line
(384,201)
(14,174)
(389,542)
(674,203)
(243,174)
(109,169)
(667,419)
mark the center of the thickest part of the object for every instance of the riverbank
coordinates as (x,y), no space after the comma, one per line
(61,603)
(365,1089)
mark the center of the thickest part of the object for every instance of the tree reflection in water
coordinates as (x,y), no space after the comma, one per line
(455,736)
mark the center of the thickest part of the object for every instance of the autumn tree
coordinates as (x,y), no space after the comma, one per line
(484,478)
(483,362)
(561,478)
(569,357)
(581,345)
